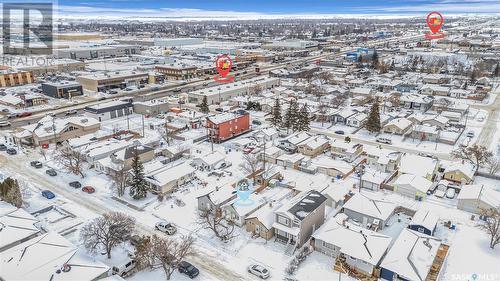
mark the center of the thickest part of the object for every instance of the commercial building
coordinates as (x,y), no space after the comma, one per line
(109,110)
(220,93)
(227,125)
(177,71)
(113,80)
(97,52)
(15,78)
(64,89)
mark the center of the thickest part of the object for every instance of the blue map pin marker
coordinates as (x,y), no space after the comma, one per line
(474,276)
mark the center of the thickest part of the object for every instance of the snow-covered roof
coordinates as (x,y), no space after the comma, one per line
(360,243)
(298,138)
(412,254)
(303,204)
(400,123)
(15,224)
(212,158)
(223,117)
(371,206)
(417,165)
(467,168)
(48,125)
(330,163)
(337,191)
(165,176)
(39,259)
(425,218)
(486,194)
(316,142)
(416,182)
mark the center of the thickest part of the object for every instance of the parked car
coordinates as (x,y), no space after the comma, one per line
(24,114)
(4,124)
(12,115)
(339,132)
(11,151)
(384,140)
(3,147)
(36,164)
(75,184)
(135,240)
(48,194)
(71,112)
(51,172)
(259,270)
(248,149)
(188,269)
(166,227)
(256,122)
(88,189)
(124,269)
(470,134)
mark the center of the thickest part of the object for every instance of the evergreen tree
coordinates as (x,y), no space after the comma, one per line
(303,119)
(375,62)
(204,105)
(373,122)
(276,113)
(289,119)
(295,116)
(138,186)
(10,192)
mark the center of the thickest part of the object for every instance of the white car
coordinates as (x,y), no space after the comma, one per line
(124,269)
(166,227)
(450,193)
(384,140)
(259,270)
(4,124)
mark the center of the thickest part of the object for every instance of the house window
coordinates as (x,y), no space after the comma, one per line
(283,220)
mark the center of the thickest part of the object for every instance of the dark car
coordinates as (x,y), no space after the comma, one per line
(48,194)
(51,172)
(75,184)
(188,269)
(3,147)
(339,132)
(36,164)
(11,151)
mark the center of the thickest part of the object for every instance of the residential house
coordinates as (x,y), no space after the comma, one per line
(346,150)
(336,194)
(332,167)
(412,186)
(167,179)
(460,172)
(373,180)
(18,226)
(314,146)
(299,218)
(213,199)
(292,142)
(369,210)
(290,160)
(56,130)
(361,91)
(49,257)
(267,134)
(404,261)
(424,221)
(415,101)
(398,126)
(425,133)
(418,165)
(357,120)
(439,121)
(208,161)
(361,249)
(434,90)
(341,115)
(383,160)
(109,110)
(122,159)
(477,197)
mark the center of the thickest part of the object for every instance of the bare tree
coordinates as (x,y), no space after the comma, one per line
(476,154)
(120,179)
(395,99)
(222,228)
(493,164)
(491,225)
(165,252)
(71,160)
(251,164)
(255,91)
(107,231)
(339,100)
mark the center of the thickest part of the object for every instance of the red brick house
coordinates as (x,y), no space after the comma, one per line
(224,126)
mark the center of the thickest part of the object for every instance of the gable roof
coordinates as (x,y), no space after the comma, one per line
(371,206)
(304,204)
(412,254)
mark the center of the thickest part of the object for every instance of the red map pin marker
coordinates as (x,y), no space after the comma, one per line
(223,64)
(435,21)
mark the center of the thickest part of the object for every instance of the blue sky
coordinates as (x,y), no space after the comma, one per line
(263,8)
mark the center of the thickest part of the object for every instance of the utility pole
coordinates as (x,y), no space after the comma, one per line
(142,125)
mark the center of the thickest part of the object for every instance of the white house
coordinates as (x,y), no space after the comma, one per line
(412,186)
(371,210)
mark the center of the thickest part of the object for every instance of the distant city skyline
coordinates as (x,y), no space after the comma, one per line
(267,9)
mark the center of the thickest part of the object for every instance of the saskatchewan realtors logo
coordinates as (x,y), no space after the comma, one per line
(475,277)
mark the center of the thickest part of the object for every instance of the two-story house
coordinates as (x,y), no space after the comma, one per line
(299,218)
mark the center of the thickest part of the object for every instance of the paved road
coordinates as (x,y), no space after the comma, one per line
(18,165)
(491,126)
